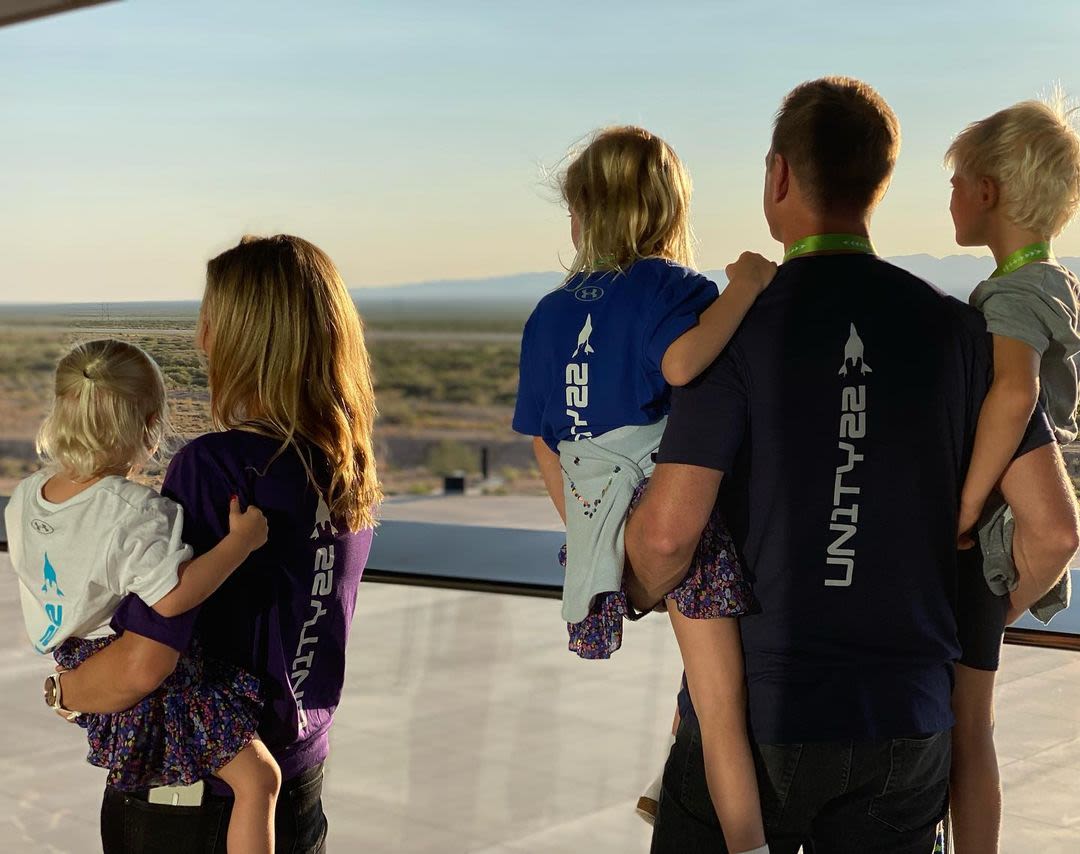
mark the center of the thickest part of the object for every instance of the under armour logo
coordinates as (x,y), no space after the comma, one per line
(853,353)
(583,339)
(41,527)
(589,294)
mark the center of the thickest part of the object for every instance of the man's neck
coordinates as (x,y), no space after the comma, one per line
(1009,238)
(809,226)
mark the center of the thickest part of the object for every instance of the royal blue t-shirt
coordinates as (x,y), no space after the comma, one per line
(285,614)
(591,351)
(843,414)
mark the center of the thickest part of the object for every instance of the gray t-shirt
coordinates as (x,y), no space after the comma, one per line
(1039,304)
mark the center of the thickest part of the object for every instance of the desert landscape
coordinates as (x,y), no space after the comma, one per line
(445,381)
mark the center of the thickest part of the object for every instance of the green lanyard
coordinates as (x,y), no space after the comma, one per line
(830,243)
(1022,257)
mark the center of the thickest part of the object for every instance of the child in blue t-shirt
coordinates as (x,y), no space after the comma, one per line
(598,359)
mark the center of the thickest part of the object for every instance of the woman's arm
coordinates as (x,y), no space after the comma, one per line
(119,676)
(1003,419)
(200,577)
(551,472)
(697,348)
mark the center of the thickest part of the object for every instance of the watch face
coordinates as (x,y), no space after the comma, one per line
(50,691)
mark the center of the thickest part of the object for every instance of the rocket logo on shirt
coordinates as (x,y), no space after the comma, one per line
(583,339)
(322,587)
(53,610)
(577,383)
(323,523)
(853,353)
(49,573)
(847,490)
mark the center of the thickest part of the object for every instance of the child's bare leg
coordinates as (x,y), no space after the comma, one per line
(255,779)
(975,784)
(712,655)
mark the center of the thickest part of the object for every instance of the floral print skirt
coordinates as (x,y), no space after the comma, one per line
(713,587)
(197,721)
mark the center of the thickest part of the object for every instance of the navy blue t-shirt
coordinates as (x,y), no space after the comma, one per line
(591,351)
(843,414)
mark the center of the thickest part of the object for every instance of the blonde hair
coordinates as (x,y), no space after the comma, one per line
(110,412)
(287,352)
(631,194)
(1033,153)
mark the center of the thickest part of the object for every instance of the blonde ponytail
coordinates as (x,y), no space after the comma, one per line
(110,412)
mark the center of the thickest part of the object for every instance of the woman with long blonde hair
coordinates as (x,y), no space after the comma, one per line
(291,395)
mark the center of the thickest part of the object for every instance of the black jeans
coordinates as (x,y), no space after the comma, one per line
(849,797)
(131,825)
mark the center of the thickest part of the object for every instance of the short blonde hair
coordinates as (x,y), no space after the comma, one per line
(287,352)
(110,412)
(1032,152)
(631,194)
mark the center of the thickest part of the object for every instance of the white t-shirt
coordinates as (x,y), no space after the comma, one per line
(76,560)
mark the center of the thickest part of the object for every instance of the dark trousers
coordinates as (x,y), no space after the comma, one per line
(131,825)
(849,797)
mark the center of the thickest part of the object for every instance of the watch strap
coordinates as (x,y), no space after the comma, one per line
(58,697)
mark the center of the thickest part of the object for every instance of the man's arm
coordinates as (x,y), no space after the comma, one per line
(663,531)
(119,676)
(1047,531)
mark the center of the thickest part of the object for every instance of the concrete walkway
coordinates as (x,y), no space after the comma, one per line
(467,727)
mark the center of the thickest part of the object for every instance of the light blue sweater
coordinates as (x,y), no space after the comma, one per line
(599,479)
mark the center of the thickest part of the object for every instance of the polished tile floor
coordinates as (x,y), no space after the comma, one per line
(466,727)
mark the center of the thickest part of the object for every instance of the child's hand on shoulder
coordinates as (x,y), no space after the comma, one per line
(752,271)
(249,526)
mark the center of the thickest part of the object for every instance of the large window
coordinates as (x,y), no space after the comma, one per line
(141,140)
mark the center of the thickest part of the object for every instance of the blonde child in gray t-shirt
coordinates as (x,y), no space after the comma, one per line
(1016,184)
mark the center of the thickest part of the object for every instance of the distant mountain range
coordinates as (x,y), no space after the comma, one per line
(954,274)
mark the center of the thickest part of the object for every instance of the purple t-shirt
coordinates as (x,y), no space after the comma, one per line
(284,615)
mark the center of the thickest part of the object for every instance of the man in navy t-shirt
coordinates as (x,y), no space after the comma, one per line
(840,418)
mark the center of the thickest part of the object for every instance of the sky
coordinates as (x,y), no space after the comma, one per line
(410,139)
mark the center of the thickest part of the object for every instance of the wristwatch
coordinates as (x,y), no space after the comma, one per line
(54,698)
